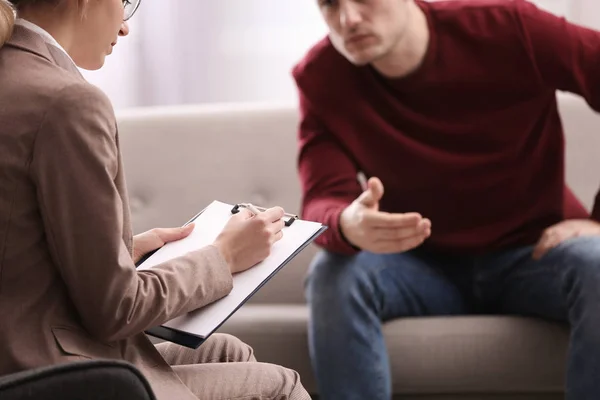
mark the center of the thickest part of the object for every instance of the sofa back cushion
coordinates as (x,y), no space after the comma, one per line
(179,159)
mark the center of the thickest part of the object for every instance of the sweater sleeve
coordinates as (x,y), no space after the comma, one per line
(328,179)
(566,56)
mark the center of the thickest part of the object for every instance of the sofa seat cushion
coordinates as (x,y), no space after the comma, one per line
(436,355)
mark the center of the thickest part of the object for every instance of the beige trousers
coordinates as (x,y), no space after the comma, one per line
(224,368)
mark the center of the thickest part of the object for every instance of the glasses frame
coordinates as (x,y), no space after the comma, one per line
(134,10)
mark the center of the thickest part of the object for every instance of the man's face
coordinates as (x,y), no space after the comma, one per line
(365,30)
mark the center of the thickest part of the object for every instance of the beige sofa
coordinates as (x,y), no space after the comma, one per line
(179,159)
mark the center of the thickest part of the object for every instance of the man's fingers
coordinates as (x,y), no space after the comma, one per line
(374,193)
(549,240)
(420,229)
(398,240)
(399,246)
(376,219)
(540,248)
(413,242)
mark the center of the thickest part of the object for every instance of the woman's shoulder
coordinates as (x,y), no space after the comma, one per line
(43,104)
(40,85)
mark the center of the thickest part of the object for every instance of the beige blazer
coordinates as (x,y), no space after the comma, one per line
(69,290)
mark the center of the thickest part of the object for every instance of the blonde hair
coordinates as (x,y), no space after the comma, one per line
(7,21)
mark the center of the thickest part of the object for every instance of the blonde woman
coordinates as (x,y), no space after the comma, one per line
(69,289)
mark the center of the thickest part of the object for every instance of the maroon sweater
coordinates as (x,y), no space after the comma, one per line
(472,139)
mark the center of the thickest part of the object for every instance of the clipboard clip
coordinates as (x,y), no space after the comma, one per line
(236,209)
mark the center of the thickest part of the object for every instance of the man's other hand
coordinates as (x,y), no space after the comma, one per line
(556,234)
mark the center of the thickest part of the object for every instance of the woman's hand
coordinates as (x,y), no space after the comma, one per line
(247,239)
(155,238)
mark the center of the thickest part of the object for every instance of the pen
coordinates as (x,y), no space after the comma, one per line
(257,210)
(252,209)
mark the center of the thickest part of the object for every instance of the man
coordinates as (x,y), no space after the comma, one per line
(451,107)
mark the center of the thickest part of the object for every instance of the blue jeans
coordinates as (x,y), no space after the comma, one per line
(350,297)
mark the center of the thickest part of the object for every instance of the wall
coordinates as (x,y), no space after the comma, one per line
(230,50)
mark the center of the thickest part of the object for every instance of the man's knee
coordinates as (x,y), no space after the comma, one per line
(582,253)
(578,261)
(334,276)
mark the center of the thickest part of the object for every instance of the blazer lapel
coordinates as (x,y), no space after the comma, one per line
(62,60)
(27,40)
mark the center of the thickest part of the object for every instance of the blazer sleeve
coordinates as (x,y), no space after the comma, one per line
(74,165)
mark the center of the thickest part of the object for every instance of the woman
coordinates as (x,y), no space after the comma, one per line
(69,289)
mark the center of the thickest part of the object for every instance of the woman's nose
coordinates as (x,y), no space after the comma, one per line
(124,31)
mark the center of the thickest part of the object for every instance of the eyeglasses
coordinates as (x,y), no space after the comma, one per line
(130,7)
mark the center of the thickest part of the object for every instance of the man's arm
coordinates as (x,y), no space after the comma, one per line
(567,56)
(328,179)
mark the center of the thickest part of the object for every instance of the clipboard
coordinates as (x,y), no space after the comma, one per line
(234,210)
(178,330)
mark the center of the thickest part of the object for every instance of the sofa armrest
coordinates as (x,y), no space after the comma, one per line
(90,380)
